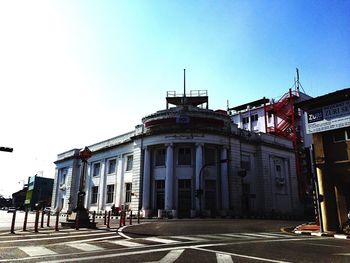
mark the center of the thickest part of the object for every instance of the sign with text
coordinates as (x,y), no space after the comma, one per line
(330,117)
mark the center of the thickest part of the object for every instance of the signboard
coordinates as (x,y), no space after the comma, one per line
(31,183)
(330,117)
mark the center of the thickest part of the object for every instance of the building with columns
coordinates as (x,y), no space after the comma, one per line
(184,161)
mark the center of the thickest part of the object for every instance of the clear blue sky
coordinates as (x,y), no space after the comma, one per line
(106,64)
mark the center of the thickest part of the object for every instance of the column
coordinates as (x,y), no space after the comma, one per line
(146,183)
(224,181)
(88,181)
(102,187)
(119,190)
(199,175)
(169,177)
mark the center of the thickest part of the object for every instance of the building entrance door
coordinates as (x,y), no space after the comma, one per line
(184,198)
(210,196)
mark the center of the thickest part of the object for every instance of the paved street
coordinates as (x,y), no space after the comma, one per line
(195,240)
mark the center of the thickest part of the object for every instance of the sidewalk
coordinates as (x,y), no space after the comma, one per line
(313,229)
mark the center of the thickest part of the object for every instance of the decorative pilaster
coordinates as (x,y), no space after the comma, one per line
(169,177)
(199,179)
(146,182)
(102,190)
(224,181)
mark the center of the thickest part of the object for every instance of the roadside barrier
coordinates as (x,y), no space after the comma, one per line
(13,222)
(108,219)
(48,219)
(36,220)
(93,217)
(57,219)
(25,220)
(42,219)
(40,216)
(105,218)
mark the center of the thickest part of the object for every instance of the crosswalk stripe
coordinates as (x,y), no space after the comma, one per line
(189,238)
(125,243)
(236,235)
(161,240)
(85,247)
(216,236)
(222,258)
(276,234)
(260,235)
(33,251)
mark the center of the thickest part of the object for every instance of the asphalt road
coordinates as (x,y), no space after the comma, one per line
(195,240)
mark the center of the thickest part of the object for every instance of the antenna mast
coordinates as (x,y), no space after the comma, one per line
(184,83)
(297,81)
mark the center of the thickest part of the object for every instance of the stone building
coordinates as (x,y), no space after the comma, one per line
(184,161)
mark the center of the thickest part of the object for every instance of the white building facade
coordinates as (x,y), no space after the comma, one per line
(184,161)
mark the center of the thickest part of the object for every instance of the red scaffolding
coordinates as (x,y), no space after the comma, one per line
(285,117)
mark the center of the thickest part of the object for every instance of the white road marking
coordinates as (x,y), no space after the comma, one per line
(242,256)
(161,240)
(92,239)
(259,235)
(171,257)
(214,236)
(85,247)
(222,258)
(236,235)
(125,243)
(60,237)
(80,256)
(33,251)
(276,234)
(189,238)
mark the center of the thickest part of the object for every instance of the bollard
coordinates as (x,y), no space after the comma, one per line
(42,219)
(130,217)
(57,219)
(93,217)
(25,220)
(105,217)
(13,222)
(108,219)
(48,219)
(77,221)
(120,219)
(138,216)
(124,217)
(36,220)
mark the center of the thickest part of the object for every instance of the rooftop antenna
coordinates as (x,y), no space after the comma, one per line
(184,82)
(297,81)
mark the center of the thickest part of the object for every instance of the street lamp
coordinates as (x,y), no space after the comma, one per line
(199,191)
(82,214)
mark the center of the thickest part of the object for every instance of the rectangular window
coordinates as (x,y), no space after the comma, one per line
(110,193)
(129,161)
(254,117)
(184,156)
(210,156)
(245,161)
(245,120)
(160,157)
(94,194)
(128,191)
(63,176)
(160,186)
(96,169)
(339,135)
(112,166)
